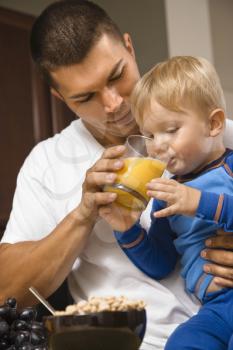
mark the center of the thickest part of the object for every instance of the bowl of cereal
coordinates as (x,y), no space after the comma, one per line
(100,323)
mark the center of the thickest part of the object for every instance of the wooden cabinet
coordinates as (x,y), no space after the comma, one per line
(28,113)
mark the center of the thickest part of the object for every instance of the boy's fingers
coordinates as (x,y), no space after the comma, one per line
(164,212)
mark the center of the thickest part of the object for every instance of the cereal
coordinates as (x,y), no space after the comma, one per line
(99,304)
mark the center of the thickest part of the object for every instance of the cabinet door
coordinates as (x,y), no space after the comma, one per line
(19,129)
(28,112)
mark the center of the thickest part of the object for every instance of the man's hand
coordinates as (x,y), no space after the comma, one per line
(180,199)
(221,261)
(100,174)
(119,217)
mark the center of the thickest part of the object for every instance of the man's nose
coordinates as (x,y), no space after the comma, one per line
(111,100)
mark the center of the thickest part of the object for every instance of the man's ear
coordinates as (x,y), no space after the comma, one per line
(56,94)
(217,122)
(129,44)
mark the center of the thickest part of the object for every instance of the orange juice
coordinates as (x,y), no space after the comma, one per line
(131,181)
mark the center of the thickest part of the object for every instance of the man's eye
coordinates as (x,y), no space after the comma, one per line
(116,77)
(86,99)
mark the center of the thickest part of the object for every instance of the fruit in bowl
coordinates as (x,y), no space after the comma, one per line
(98,324)
(19,328)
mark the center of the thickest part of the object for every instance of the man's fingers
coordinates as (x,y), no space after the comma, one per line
(220,241)
(221,257)
(103,165)
(99,198)
(223,282)
(219,271)
(100,179)
(221,232)
(102,173)
(223,275)
(114,152)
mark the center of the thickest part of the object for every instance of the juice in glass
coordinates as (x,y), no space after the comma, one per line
(131,181)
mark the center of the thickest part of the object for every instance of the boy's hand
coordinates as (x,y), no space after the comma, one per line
(119,217)
(180,199)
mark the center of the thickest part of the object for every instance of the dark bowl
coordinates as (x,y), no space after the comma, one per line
(107,330)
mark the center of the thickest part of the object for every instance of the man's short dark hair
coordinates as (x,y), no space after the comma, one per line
(65,32)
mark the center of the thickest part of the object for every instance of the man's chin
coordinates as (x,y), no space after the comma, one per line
(124,131)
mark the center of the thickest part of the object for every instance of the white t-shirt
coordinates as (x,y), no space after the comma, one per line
(49,186)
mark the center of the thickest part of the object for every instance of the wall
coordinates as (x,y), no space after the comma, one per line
(33,7)
(221,17)
(146,24)
(204,28)
(168,27)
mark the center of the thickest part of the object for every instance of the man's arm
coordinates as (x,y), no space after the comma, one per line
(45,263)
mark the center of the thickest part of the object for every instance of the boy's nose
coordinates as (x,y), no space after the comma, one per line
(158,147)
(111,100)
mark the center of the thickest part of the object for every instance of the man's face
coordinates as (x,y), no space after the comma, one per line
(98,89)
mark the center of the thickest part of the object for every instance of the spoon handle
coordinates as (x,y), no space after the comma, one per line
(42,300)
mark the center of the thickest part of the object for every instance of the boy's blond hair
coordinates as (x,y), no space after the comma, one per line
(181,81)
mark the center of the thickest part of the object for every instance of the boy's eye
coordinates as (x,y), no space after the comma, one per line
(150,136)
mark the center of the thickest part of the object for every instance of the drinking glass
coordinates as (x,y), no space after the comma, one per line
(138,170)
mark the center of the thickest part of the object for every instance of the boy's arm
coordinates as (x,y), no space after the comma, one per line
(218,208)
(153,253)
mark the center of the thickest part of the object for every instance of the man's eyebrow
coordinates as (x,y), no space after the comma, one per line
(113,71)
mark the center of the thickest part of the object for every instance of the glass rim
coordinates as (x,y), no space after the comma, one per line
(135,150)
(146,138)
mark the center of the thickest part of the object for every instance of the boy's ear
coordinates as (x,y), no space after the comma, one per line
(217,122)
(56,94)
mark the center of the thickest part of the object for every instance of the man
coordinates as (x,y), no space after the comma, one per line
(54,225)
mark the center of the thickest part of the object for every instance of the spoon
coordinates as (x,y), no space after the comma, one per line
(42,300)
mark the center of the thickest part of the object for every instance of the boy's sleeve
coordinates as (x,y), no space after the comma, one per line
(154,252)
(217,208)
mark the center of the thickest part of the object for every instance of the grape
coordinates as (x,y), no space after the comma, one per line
(4,311)
(37,326)
(28,314)
(3,344)
(20,325)
(37,338)
(20,330)
(4,327)
(11,302)
(26,346)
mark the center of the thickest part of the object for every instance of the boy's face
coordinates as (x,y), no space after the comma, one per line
(179,138)
(98,88)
